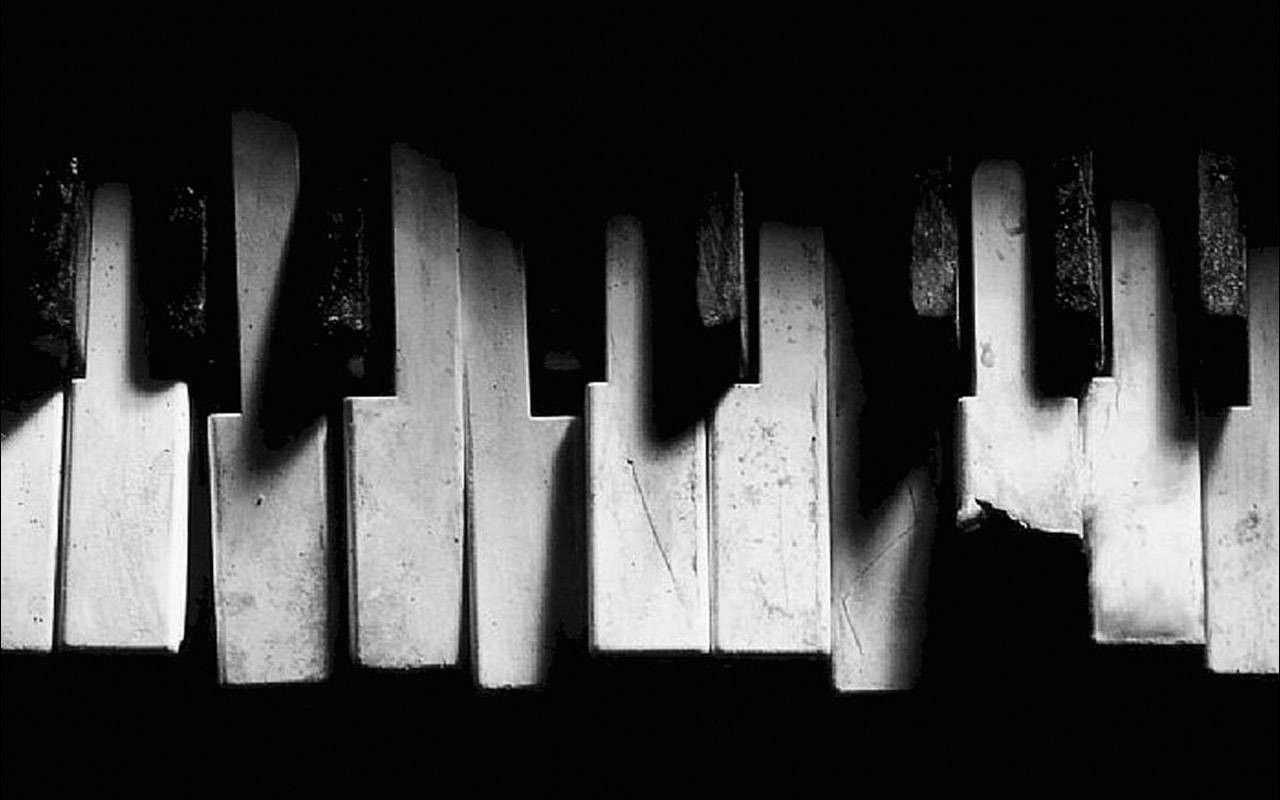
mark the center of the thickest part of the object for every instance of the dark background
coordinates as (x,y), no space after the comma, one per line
(551,121)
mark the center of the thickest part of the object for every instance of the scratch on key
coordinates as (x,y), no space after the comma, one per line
(848,620)
(902,534)
(666,559)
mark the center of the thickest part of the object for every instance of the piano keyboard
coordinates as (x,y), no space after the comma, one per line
(444,524)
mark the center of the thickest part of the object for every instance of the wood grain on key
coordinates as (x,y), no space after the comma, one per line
(124,546)
(405,453)
(1240,459)
(770,541)
(1142,468)
(271,527)
(646,497)
(1017,452)
(30,507)
(524,477)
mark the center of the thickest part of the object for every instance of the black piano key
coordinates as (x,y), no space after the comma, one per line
(935,270)
(1071,335)
(721,289)
(46,280)
(1223,300)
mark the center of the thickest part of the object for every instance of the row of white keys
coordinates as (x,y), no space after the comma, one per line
(770,538)
(121,496)
(1240,459)
(1141,460)
(524,476)
(405,453)
(271,532)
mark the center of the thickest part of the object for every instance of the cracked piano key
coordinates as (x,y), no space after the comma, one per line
(1141,460)
(1240,486)
(1017,452)
(124,542)
(770,540)
(647,513)
(524,479)
(1223,322)
(271,527)
(405,453)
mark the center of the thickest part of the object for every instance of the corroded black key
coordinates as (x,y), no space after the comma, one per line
(935,270)
(722,271)
(1223,300)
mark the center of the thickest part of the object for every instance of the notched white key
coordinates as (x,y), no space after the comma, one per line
(405,453)
(124,548)
(271,533)
(1017,453)
(30,506)
(646,498)
(524,474)
(1142,466)
(1240,462)
(770,540)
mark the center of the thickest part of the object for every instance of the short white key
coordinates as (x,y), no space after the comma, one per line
(1142,466)
(270,514)
(405,453)
(31,497)
(770,540)
(879,557)
(1017,453)
(1240,459)
(124,545)
(647,515)
(524,476)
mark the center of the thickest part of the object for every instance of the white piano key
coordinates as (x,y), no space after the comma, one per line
(646,498)
(1017,452)
(405,453)
(1240,458)
(524,474)
(879,556)
(30,507)
(124,544)
(1141,457)
(271,533)
(770,540)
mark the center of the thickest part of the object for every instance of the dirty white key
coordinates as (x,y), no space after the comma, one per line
(124,546)
(770,540)
(405,453)
(1017,452)
(1141,456)
(1241,484)
(270,517)
(524,473)
(879,555)
(30,506)
(646,498)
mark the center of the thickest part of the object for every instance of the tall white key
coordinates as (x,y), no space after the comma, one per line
(524,474)
(1142,466)
(30,507)
(1240,459)
(770,539)
(124,546)
(1017,452)
(405,453)
(270,513)
(880,555)
(646,498)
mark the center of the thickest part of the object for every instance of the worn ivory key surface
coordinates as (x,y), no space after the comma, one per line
(770,541)
(124,547)
(879,555)
(1240,458)
(405,453)
(1142,466)
(524,474)
(646,498)
(30,505)
(1017,452)
(270,515)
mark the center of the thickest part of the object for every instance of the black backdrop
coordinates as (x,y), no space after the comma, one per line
(557,114)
